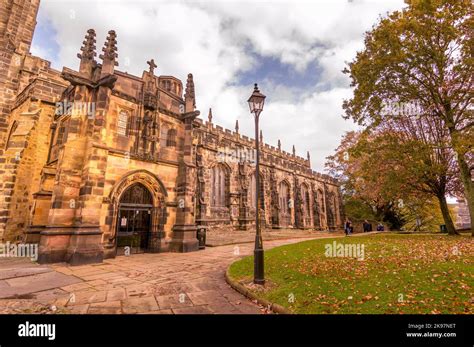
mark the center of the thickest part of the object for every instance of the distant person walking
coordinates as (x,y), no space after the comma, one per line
(348,227)
(366,226)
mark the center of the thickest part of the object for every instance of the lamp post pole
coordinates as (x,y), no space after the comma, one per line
(256,102)
(259,276)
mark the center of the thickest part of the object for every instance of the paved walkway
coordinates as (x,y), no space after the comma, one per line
(224,236)
(168,283)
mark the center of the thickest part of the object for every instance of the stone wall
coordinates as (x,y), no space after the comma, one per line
(17,24)
(25,149)
(23,162)
(218,146)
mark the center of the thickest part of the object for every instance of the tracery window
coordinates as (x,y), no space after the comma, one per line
(284,197)
(164,135)
(122,122)
(253,187)
(171,138)
(219,186)
(306,203)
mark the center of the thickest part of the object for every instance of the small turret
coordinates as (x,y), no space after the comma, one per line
(237,126)
(209,116)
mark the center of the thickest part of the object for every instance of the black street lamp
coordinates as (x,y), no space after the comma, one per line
(256,102)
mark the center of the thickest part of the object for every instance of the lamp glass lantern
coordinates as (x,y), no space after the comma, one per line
(256,101)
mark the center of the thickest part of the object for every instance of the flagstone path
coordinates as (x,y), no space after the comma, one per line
(162,283)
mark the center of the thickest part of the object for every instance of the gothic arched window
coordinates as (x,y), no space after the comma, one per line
(253,187)
(305,197)
(284,197)
(61,136)
(171,138)
(163,135)
(218,186)
(122,123)
(321,200)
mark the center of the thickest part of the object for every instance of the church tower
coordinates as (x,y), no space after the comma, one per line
(17,24)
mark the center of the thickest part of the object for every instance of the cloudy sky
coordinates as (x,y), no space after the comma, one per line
(295,50)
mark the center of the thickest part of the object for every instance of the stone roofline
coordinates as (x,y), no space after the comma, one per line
(140,79)
(157,78)
(29,91)
(248,141)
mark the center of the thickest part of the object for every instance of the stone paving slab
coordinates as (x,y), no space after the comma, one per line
(20,272)
(16,263)
(25,285)
(161,283)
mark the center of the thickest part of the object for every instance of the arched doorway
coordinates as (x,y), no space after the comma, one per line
(134,219)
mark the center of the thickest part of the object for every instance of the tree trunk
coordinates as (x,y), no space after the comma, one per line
(446,216)
(466,178)
(468,187)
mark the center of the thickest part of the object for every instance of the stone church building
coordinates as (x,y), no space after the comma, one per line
(95,159)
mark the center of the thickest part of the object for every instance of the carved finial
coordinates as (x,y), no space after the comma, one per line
(279,145)
(152,65)
(110,48)
(209,116)
(189,93)
(88,52)
(294,150)
(307,155)
(261,137)
(88,46)
(237,126)
(109,55)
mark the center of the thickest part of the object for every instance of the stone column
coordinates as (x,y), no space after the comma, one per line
(275,204)
(55,238)
(316,211)
(156,242)
(329,209)
(201,204)
(299,214)
(244,218)
(184,231)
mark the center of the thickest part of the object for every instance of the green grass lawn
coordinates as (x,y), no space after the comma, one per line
(398,274)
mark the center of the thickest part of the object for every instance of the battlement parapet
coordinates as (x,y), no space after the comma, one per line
(269,153)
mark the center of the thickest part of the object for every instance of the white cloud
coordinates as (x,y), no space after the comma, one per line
(43,52)
(212,40)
